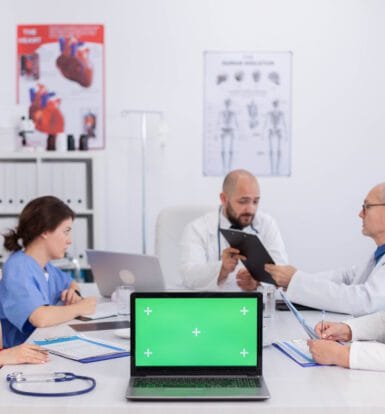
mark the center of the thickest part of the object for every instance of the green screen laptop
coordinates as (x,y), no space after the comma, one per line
(197,345)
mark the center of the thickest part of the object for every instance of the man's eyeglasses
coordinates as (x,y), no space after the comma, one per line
(366,207)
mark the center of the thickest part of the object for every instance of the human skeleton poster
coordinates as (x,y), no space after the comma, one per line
(247,113)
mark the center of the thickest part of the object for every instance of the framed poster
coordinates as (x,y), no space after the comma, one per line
(60,79)
(247,113)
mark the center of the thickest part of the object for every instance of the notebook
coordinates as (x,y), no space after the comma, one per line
(196,346)
(112,269)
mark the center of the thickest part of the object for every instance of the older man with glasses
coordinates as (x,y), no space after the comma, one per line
(357,290)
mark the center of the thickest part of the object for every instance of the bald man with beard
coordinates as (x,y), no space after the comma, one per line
(207,260)
(357,290)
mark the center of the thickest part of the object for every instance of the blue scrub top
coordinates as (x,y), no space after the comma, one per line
(24,288)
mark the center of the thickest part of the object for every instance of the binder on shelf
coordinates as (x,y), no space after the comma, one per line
(30,188)
(80,238)
(3,183)
(58,180)
(48,184)
(69,183)
(82,349)
(80,185)
(25,184)
(9,181)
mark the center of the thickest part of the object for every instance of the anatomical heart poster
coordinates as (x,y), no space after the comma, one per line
(60,81)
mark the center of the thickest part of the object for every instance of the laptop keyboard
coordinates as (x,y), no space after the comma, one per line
(197,382)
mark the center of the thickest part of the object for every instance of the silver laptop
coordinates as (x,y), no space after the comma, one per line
(196,346)
(111,269)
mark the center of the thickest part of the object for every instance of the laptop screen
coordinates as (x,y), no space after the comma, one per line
(196,330)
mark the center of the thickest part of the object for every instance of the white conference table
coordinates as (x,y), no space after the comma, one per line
(293,389)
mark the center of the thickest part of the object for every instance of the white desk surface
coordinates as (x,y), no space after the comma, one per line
(293,389)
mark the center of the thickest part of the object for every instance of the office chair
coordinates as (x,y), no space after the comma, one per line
(169,228)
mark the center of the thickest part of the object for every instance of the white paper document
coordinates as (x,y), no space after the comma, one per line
(103,310)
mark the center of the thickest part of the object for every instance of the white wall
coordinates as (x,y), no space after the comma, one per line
(154,52)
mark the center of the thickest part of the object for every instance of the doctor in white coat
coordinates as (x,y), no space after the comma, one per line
(357,290)
(207,261)
(357,355)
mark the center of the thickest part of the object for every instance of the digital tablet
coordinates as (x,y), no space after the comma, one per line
(256,255)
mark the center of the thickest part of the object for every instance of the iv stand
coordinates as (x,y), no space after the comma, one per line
(143,137)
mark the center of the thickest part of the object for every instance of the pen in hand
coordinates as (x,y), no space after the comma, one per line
(322,323)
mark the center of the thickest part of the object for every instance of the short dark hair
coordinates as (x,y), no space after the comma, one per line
(39,215)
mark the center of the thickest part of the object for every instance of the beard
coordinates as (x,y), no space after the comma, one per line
(238,222)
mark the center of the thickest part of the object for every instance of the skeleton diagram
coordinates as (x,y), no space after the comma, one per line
(252,111)
(276,130)
(228,125)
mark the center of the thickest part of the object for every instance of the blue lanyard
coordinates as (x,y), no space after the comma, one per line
(219,233)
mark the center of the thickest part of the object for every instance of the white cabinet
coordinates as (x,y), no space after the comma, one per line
(72,177)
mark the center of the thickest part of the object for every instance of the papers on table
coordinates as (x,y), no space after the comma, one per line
(83,349)
(103,310)
(297,350)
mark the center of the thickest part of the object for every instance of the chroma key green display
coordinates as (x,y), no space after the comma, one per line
(196,332)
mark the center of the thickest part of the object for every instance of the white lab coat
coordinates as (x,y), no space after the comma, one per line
(200,264)
(368,355)
(356,290)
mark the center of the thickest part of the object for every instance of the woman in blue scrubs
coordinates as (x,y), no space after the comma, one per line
(33,292)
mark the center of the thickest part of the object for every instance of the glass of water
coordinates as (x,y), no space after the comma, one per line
(122,297)
(269,300)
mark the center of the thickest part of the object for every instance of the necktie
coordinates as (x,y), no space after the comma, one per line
(380,251)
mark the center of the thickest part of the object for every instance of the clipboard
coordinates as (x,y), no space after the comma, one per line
(82,349)
(307,328)
(255,252)
(294,349)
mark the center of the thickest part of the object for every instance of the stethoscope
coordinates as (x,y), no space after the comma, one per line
(20,378)
(219,233)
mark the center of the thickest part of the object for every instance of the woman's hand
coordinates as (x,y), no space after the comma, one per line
(70,296)
(86,306)
(23,354)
